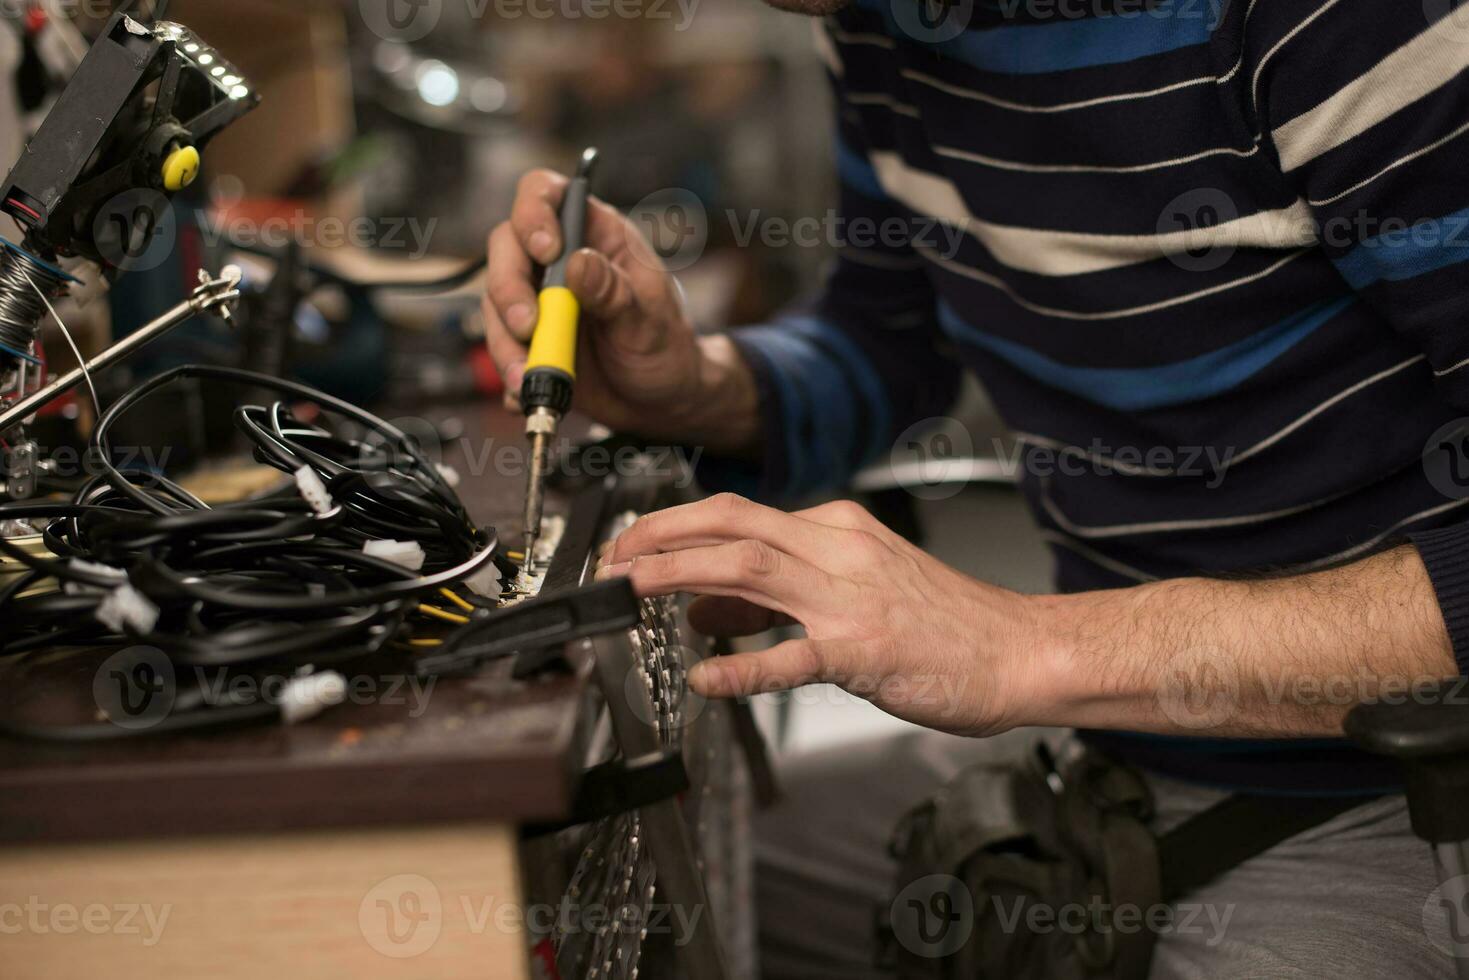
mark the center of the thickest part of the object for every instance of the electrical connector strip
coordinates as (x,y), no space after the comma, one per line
(409,554)
(532,574)
(314,492)
(126,609)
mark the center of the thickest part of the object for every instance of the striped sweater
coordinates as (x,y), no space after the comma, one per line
(1213,254)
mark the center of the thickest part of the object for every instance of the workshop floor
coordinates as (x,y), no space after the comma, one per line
(984,531)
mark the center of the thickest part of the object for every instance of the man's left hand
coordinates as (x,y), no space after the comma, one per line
(883,620)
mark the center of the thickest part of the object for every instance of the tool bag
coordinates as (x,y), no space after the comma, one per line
(1040,871)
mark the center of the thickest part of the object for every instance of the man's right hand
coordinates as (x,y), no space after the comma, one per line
(640,366)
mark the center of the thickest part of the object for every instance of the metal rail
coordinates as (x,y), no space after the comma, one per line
(213,294)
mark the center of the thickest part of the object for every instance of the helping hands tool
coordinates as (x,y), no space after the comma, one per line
(94,184)
(550,370)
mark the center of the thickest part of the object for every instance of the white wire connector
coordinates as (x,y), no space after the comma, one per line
(126,606)
(314,491)
(409,554)
(486,582)
(309,695)
(92,568)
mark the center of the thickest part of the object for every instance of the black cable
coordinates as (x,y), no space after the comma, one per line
(264,584)
(445,284)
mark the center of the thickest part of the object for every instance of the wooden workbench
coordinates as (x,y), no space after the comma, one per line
(377,840)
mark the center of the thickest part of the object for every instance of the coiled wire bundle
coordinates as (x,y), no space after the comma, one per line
(22,307)
(274,582)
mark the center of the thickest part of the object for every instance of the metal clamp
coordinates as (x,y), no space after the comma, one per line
(618,786)
(214,294)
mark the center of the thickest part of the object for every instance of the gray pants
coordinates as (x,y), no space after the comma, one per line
(1348,900)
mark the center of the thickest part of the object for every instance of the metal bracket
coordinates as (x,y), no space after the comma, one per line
(618,786)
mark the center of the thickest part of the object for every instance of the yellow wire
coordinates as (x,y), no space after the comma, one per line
(443,614)
(425,643)
(457,600)
(515,555)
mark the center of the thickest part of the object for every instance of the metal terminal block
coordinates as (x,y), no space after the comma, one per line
(22,467)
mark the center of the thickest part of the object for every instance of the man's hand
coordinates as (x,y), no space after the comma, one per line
(1192,656)
(640,366)
(883,620)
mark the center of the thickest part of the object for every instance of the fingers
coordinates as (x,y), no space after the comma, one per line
(745,569)
(602,289)
(535,215)
(509,284)
(618,279)
(724,518)
(508,353)
(535,218)
(782,667)
(841,513)
(851,516)
(510,304)
(535,224)
(714,615)
(508,293)
(533,236)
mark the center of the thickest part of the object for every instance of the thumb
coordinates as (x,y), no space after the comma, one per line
(602,289)
(782,667)
(607,292)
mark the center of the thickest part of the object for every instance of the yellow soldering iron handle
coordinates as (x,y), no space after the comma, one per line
(550,367)
(554,343)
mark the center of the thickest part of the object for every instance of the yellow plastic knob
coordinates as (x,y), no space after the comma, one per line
(180,168)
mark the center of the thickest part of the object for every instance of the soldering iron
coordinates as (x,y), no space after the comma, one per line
(550,370)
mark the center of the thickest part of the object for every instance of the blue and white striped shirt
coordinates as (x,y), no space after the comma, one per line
(1239,232)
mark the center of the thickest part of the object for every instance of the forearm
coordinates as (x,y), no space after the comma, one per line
(1267,658)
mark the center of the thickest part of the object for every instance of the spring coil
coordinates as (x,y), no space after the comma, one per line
(21,309)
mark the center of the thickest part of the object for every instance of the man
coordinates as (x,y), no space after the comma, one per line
(1236,235)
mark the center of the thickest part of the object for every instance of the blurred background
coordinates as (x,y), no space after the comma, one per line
(386,147)
(382,153)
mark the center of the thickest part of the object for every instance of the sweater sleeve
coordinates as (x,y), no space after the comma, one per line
(1366,107)
(842,377)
